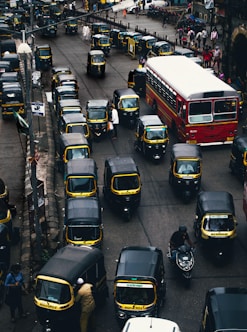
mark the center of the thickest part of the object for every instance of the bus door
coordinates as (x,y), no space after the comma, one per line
(181,119)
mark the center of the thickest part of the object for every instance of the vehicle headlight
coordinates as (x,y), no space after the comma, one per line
(149,146)
(122,315)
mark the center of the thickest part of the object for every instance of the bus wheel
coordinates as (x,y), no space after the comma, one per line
(154,107)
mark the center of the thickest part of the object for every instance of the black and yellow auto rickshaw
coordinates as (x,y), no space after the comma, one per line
(137,80)
(160,48)
(238,159)
(72,146)
(116,38)
(83,222)
(56,285)
(76,123)
(122,185)
(139,283)
(67,80)
(224,310)
(134,35)
(55,72)
(185,170)
(66,107)
(12,100)
(43,57)
(80,178)
(62,93)
(5,31)
(8,45)
(215,224)
(241,99)
(145,44)
(100,28)
(5,216)
(101,42)
(97,114)
(127,103)
(5,244)
(96,63)
(14,60)
(71,26)
(48,26)
(8,77)
(151,137)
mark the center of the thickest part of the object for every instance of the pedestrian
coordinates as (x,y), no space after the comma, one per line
(137,10)
(85,297)
(199,38)
(143,4)
(124,13)
(184,41)
(207,57)
(191,36)
(180,33)
(214,37)
(73,7)
(217,58)
(115,121)
(14,284)
(204,37)
(95,7)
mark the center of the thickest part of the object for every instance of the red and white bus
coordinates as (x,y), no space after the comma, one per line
(198,106)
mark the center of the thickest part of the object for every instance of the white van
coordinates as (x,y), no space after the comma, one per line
(150,324)
(148,3)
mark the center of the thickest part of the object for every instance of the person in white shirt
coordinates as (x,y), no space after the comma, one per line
(114,120)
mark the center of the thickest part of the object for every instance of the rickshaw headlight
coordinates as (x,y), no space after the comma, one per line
(149,146)
(196,182)
(179,181)
(163,146)
(122,315)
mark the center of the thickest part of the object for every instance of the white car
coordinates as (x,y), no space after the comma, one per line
(148,3)
(150,324)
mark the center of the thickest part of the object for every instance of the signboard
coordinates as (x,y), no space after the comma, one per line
(38,108)
(209,4)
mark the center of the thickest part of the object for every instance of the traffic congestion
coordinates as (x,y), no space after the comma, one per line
(150,220)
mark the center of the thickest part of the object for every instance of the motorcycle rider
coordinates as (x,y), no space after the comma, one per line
(178,239)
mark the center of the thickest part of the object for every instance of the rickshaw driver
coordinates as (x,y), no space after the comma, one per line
(178,239)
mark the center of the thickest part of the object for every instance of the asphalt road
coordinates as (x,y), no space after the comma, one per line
(160,212)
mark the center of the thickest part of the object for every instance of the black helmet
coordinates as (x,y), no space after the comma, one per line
(182,229)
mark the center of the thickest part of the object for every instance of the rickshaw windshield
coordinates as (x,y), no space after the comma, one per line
(98,59)
(83,233)
(77,153)
(52,291)
(138,294)
(94,114)
(72,22)
(187,167)
(126,182)
(78,185)
(166,48)
(129,102)
(154,134)
(104,41)
(45,52)
(80,128)
(220,223)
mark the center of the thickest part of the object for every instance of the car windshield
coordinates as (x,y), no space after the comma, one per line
(94,114)
(81,185)
(138,294)
(187,166)
(83,233)
(220,223)
(126,182)
(77,153)
(52,291)
(154,134)
(129,102)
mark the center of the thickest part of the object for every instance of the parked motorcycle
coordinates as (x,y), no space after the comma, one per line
(184,262)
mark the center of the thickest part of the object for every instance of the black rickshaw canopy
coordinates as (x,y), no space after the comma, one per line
(151,120)
(97,103)
(228,308)
(215,202)
(83,211)
(83,167)
(122,165)
(74,118)
(240,142)
(139,261)
(70,261)
(184,150)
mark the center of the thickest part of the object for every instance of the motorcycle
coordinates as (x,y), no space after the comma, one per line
(184,262)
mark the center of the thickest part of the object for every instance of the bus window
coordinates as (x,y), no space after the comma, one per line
(224,110)
(200,112)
